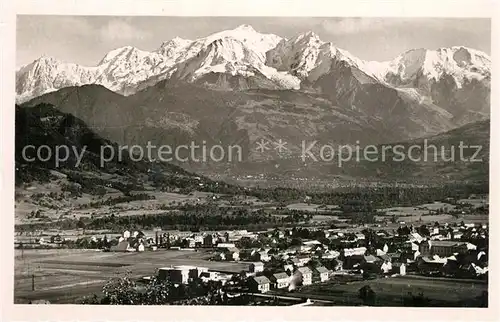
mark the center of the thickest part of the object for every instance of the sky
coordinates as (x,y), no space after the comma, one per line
(86,39)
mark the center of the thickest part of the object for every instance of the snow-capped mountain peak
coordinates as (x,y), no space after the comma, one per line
(309,37)
(243,51)
(47,74)
(222,55)
(258,42)
(298,55)
(173,47)
(245,28)
(307,56)
(118,52)
(123,69)
(459,62)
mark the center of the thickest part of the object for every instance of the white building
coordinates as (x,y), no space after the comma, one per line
(303,275)
(256,267)
(354,251)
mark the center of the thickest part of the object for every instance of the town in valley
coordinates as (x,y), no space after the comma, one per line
(295,254)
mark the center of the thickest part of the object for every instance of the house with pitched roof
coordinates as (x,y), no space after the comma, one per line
(321,274)
(259,284)
(303,275)
(229,253)
(256,267)
(280,280)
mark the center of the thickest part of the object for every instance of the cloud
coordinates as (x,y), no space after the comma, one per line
(121,30)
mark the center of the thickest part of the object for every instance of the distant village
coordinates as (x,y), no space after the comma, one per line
(288,259)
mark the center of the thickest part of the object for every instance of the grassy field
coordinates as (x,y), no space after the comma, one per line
(393,291)
(63,276)
(312,207)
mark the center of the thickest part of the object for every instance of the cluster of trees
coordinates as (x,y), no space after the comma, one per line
(368,198)
(126,291)
(87,243)
(188,217)
(29,174)
(36,214)
(207,218)
(94,185)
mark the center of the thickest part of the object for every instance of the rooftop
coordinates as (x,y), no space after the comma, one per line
(261,280)
(304,270)
(385,257)
(281,275)
(371,258)
(321,269)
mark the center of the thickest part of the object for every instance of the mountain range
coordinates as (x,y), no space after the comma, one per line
(238,86)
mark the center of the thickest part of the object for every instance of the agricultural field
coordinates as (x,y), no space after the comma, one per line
(317,218)
(420,214)
(65,276)
(313,207)
(393,291)
(476,203)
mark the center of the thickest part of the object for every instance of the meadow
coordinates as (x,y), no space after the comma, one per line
(66,275)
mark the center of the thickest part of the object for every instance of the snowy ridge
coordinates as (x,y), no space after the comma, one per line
(460,62)
(244,51)
(236,51)
(308,57)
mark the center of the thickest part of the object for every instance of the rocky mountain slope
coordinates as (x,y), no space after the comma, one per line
(180,113)
(45,125)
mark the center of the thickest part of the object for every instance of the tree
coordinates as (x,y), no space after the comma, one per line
(367,295)
(157,292)
(423,230)
(121,291)
(403,231)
